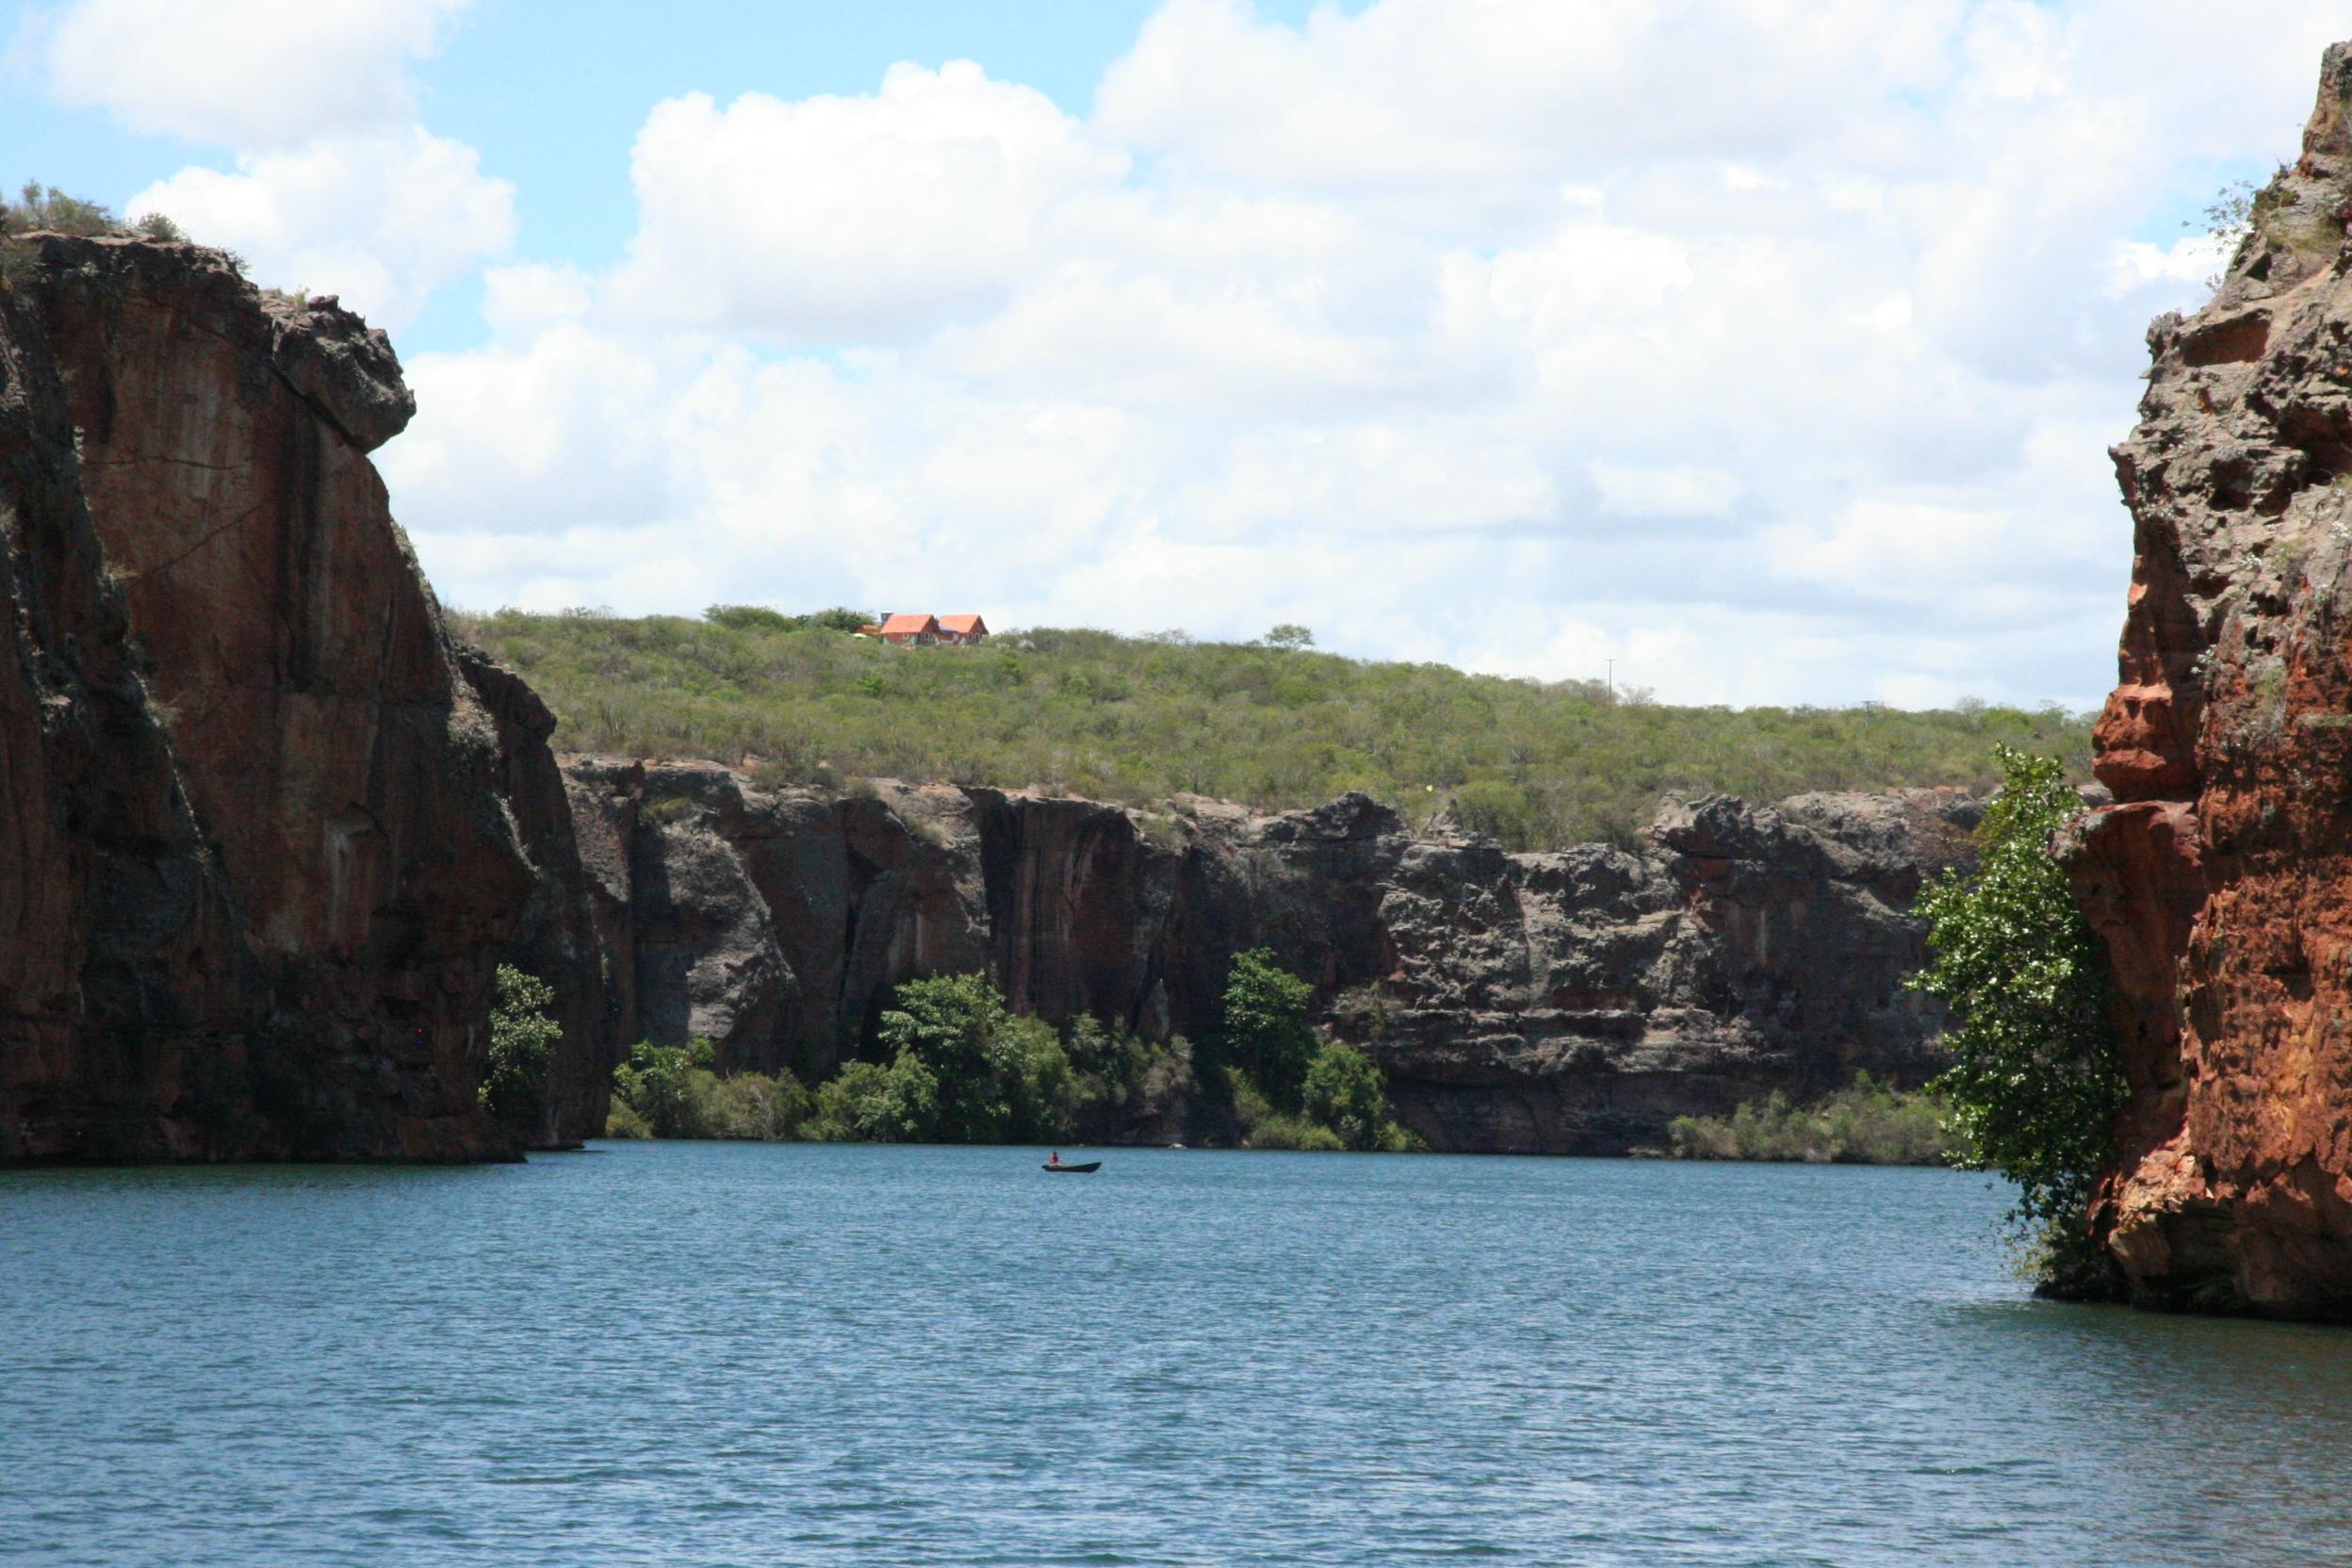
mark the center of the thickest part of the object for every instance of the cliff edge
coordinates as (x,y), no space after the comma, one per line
(2221,878)
(256,863)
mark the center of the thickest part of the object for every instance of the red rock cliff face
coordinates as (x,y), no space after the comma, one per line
(2221,877)
(260,865)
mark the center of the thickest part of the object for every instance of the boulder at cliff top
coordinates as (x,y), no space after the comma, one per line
(2221,877)
(261,865)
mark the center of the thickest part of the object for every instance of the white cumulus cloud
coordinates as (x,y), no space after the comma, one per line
(1769,347)
(247,74)
(380,219)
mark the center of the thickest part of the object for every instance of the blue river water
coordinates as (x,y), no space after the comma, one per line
(740,1354)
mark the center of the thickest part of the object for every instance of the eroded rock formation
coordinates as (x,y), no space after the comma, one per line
(265,832)
(259,861)
(1567,1003)
(2221,877)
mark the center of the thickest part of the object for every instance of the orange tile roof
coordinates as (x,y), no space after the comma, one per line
(908,626)
(963,625)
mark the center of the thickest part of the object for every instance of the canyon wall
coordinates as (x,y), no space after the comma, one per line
(2222,876)
(258,862)
(1568,1002)
(265,832)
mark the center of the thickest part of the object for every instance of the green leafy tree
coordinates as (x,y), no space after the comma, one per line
(657,1083)
(1290,635)
(1345,1092)
(2033,1085)
(999,1078)
(871,1102)
(1267,1031)
(522,1047)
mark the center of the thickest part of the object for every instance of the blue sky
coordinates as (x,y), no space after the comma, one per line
(1768,349)
(554,94)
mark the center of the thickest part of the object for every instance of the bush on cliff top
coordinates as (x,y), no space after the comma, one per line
(1137,719)
(46,209)
(2034,1084)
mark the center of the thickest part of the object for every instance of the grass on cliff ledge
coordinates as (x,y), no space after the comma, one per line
(1137,719)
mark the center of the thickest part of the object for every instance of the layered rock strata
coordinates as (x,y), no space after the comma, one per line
(258,861)
(1569,1002)
(2221,877)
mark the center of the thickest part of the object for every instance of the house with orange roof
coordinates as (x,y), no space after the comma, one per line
(966,629)
(909,630)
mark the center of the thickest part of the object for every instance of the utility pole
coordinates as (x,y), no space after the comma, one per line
(1612,678)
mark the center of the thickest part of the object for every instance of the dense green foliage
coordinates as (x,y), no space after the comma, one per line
(954,1065)
(674,1092)
(2035,1084)
(522,1047)
(1288,1087)
(1347,1094)
(1001,1078)
(1273,723)
(960,1068)
(1267,1031)
(1263,1125)
(1124,1080)
(1869,1123)
(878,1103)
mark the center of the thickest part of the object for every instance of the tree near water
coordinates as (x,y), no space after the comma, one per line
(1266,1030)
(999,1077)
(2034,1084)
(522,1048)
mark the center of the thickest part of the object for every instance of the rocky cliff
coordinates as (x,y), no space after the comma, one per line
(2221,877)
(265,832)
(257,857)
(1568,1002)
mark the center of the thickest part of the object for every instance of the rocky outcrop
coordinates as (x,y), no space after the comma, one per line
(2221,877)
(1569,1002)
(258,863)
(265,832)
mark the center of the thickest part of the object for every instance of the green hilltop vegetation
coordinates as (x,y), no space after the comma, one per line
(1272,723)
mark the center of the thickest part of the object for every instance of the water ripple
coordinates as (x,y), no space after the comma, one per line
(702,1354)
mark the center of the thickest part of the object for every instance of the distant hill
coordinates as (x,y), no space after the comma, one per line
(1137,719)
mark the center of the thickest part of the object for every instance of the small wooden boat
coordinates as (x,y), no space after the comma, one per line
(1073,1169)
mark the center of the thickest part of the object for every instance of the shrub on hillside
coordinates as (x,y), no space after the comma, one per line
(871,1102)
